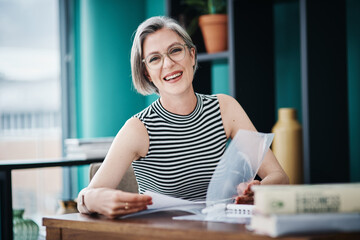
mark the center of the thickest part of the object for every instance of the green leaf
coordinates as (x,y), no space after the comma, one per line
(207,6)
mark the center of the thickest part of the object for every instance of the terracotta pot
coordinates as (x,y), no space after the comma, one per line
(214,30)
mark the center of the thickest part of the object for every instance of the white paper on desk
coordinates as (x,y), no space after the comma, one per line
(218,218)
(163,202)
(229,213)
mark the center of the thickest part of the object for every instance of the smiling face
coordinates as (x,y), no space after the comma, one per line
(172,78)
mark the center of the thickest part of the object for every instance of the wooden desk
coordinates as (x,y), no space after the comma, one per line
(6,166)
(159,226)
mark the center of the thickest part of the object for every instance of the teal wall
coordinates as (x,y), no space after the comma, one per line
(287,56)
(353,41)
(105,97)
(220,77)
(105,88)
(155,8)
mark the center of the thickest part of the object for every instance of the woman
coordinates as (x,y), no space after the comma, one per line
(175,144)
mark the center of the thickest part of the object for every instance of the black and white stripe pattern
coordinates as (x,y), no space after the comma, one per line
(184,149)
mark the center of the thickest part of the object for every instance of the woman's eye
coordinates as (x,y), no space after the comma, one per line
(176,50)
(153,59)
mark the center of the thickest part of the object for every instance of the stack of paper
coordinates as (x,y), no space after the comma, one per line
(87,148)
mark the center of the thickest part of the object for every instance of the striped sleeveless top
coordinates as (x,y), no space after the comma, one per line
(184,150)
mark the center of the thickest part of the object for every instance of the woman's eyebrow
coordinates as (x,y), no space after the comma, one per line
(174,43)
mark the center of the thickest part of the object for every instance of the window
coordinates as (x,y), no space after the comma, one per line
(30,109)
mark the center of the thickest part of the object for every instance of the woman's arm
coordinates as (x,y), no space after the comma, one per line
(234,118)
(131,143)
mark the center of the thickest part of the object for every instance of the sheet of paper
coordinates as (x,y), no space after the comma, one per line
(166,203)
(163,201)
(219,218)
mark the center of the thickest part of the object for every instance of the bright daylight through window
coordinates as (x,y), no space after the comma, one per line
(30,126)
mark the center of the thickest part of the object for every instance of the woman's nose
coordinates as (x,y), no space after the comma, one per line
(167,62)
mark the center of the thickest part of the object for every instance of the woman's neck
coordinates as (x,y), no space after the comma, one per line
(181,105)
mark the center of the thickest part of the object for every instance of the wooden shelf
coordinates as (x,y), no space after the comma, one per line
(206,57)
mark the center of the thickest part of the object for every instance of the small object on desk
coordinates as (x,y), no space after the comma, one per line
(221,212)
(239,210)
(287,144)
(67,206)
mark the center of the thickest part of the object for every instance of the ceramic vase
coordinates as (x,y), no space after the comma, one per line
(24,229)
(287,144)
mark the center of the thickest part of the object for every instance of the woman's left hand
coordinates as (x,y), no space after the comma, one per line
(246,195)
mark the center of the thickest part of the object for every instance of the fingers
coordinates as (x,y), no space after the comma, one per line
(248,190)
(131,205)
(133,198)
(123,203)
(244,188)
(241,188)
(244,200)
(122,211)
(247,195)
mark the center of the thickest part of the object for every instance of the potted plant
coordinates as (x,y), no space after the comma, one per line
(212,22)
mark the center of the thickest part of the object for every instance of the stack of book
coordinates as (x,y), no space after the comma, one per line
(298,209)
(87,148)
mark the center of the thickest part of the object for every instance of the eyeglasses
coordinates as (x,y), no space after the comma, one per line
(175,53)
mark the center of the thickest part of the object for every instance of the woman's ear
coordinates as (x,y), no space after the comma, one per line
(147,76)
(192,54)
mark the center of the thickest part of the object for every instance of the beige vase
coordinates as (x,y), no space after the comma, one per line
(287,144)
(214,30)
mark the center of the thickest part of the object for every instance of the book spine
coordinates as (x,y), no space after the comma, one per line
(292,201)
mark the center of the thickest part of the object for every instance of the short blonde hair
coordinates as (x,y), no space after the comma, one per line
(138,69)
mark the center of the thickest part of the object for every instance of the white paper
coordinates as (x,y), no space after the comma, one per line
(229,213)
(163,201)
(239,164)
(166,203)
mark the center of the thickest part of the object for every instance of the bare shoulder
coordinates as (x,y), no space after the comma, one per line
(226,101)
(233,115)
(134,124)
(134,136)
(229,106)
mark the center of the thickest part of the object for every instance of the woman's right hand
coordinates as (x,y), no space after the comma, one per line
(113,203)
